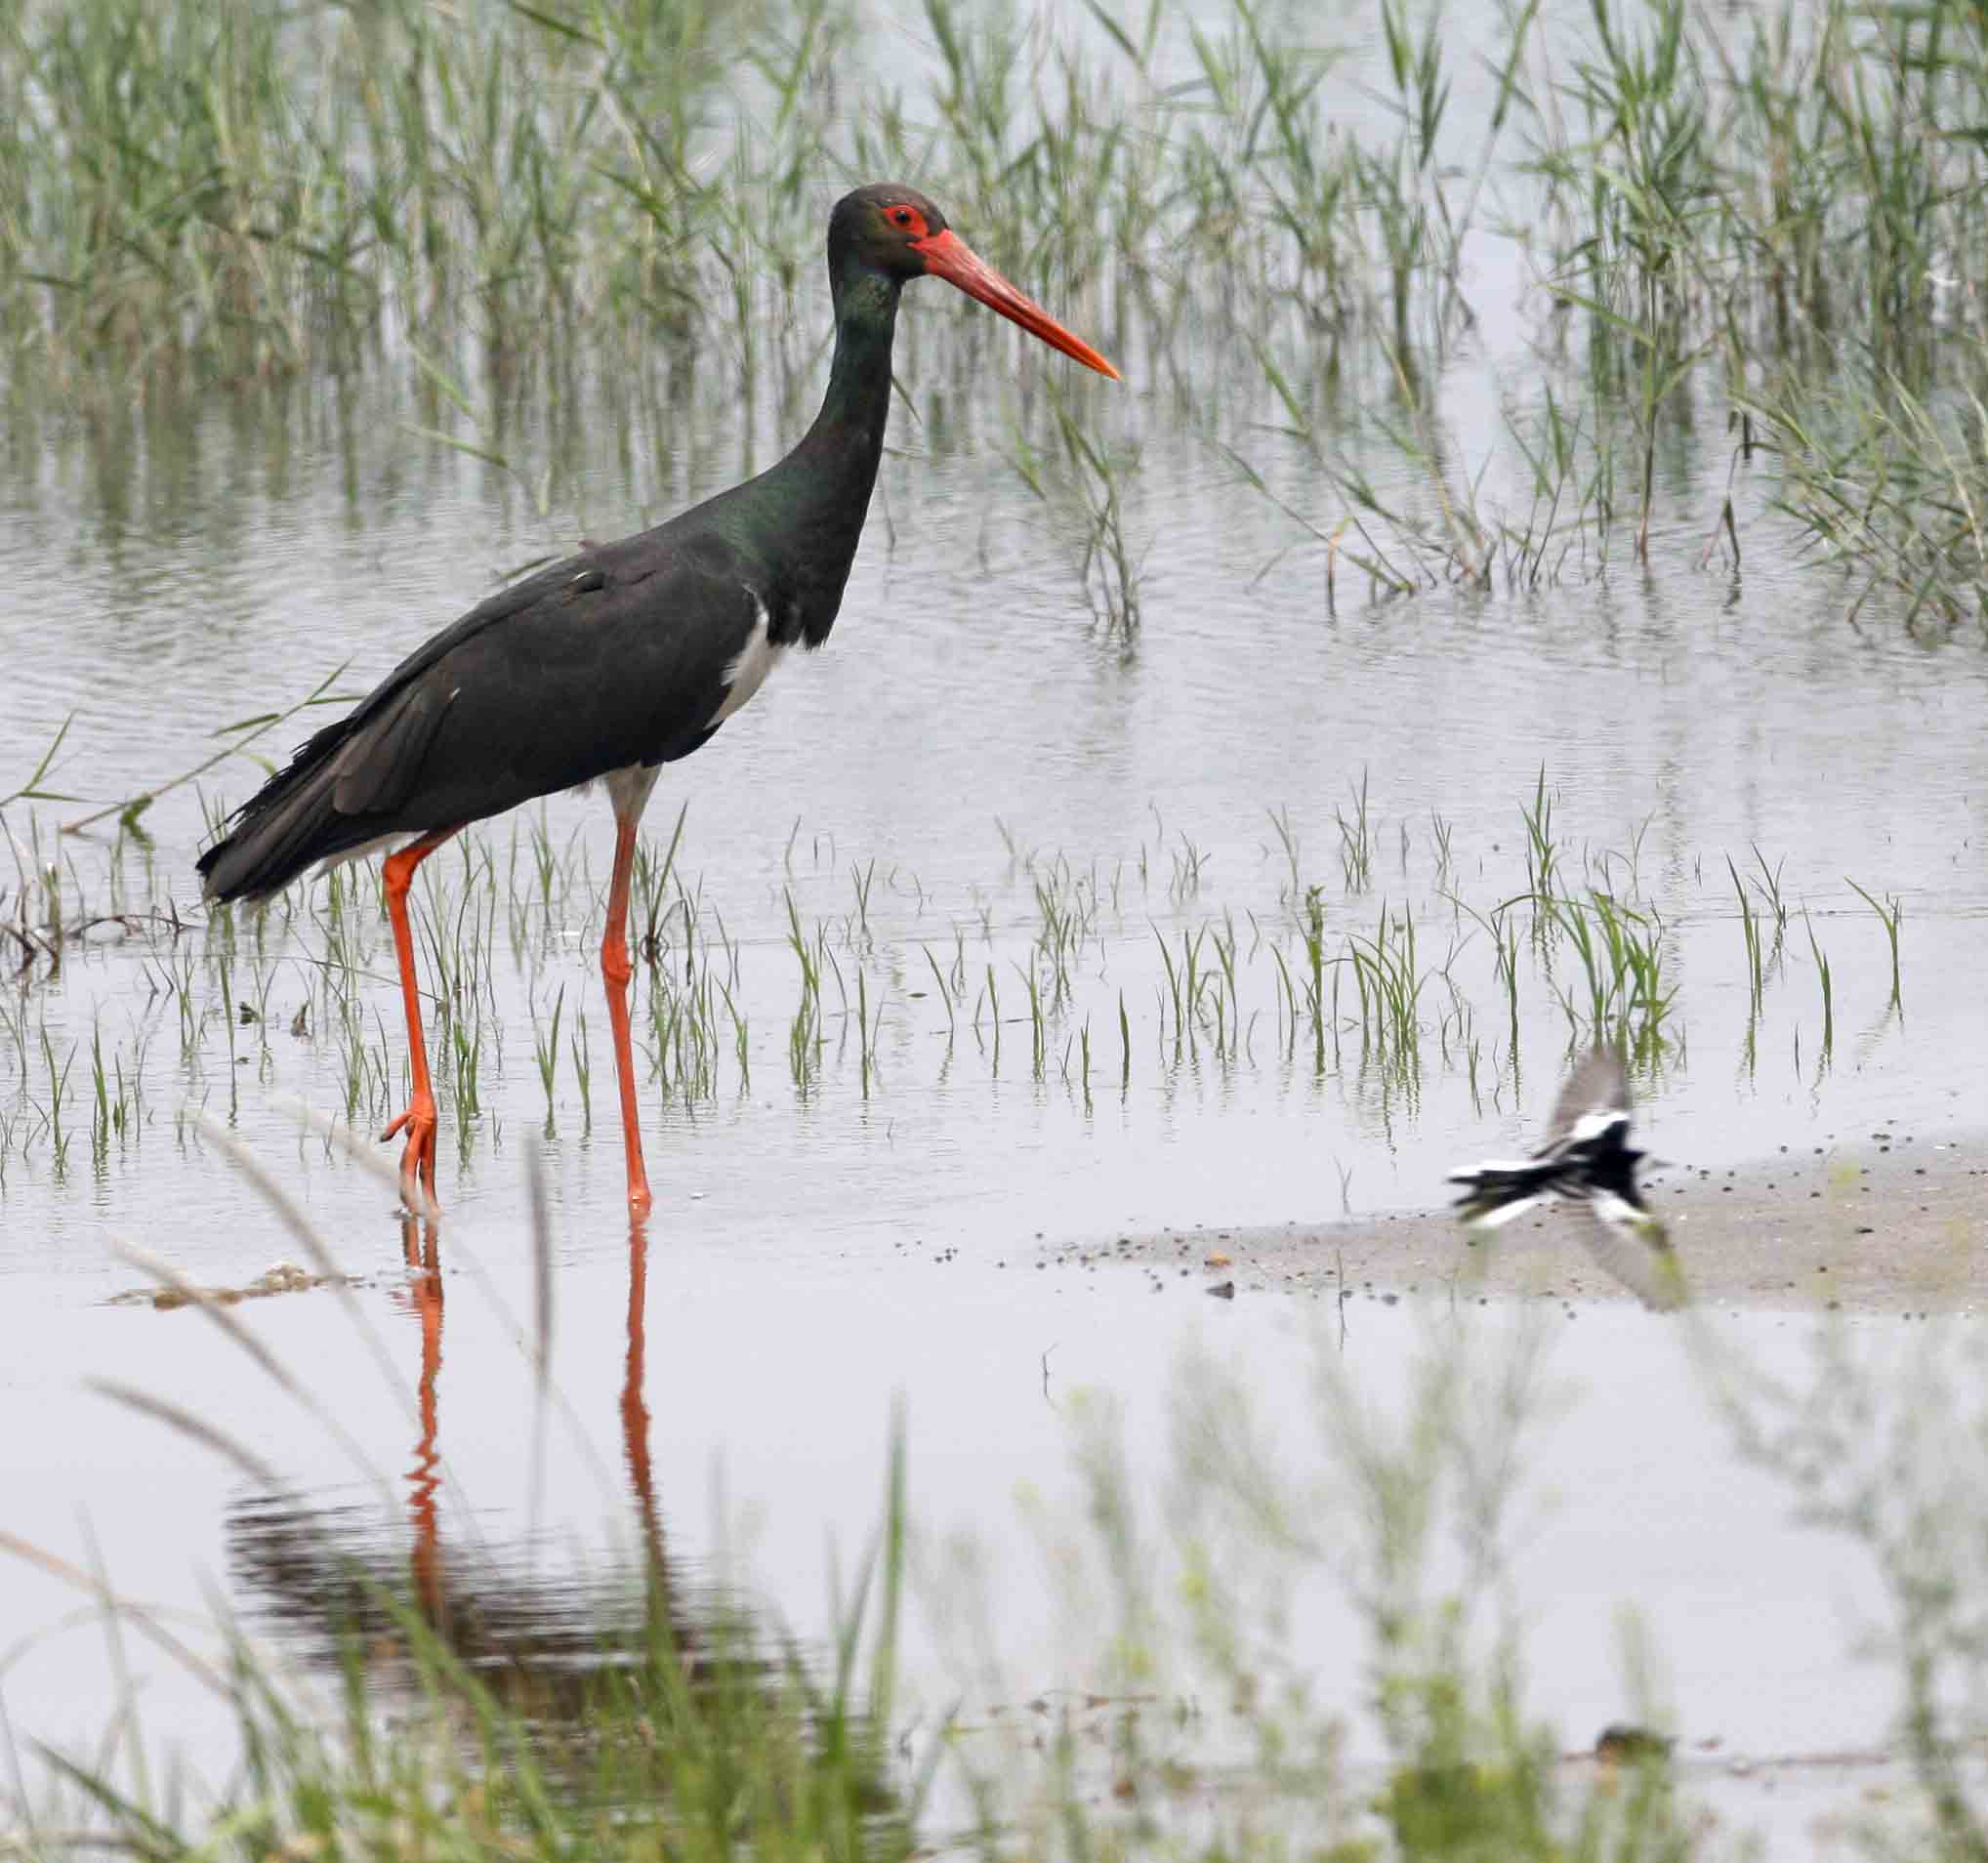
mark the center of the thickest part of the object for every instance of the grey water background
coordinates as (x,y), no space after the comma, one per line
(188,561)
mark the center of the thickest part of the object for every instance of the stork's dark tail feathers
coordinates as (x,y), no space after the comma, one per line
(286,826)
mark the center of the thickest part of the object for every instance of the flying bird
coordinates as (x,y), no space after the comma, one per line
(1586,1159)
(620,659)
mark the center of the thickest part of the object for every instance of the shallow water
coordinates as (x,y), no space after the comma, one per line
(818,1253)
(804,1270)
(965,731)
(755,1422)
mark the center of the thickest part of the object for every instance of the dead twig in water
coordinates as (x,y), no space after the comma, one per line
(245,731)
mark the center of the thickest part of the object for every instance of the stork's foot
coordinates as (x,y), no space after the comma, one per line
(417,1158)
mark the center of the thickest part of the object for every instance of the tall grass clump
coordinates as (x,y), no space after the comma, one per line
(1891,485)
(251,190)
(1771,219)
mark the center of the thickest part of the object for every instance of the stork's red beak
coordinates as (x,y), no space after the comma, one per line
(947,256)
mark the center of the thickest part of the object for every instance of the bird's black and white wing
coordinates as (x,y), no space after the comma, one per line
(1495,1194)
(1630,1243)
(1595,1099)
(1591,1115)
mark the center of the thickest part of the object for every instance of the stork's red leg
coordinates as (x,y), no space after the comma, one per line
(417,1160)
(615,970)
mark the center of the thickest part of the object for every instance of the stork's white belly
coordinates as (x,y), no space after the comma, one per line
(380,844)
(749,666)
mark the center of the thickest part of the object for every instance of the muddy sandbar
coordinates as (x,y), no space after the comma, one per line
(1893,1223)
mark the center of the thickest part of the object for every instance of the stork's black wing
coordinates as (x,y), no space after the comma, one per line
(615,657)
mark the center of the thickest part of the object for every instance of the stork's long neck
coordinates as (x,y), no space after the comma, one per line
(820,492)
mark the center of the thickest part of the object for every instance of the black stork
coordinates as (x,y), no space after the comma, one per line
(618,661)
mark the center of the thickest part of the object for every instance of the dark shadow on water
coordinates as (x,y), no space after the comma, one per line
(604,1682)
(339,1581)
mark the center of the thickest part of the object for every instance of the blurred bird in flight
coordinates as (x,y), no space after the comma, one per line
(1585,1159)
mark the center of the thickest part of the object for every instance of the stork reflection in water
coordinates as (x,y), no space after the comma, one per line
(344,1581)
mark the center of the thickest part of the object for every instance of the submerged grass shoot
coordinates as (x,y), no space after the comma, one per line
(1891,916)
(1750,934)
(1823,981)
